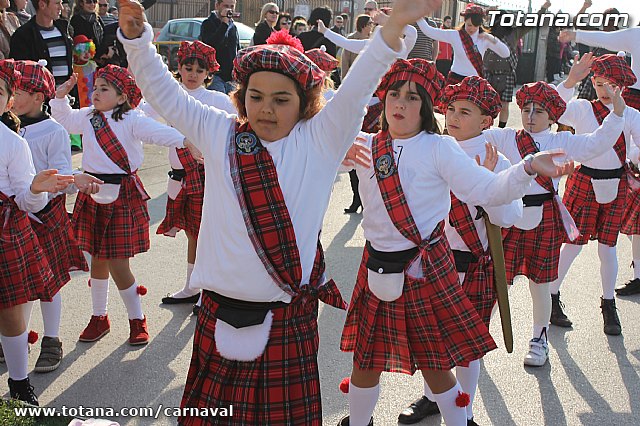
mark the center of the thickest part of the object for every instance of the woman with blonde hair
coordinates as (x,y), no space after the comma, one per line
(86,21)
(268,20)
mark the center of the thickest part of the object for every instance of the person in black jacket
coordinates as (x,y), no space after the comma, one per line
(268,21)
(219,32)
(86,21)
(314,39)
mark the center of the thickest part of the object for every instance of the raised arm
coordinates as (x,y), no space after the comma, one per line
(505,216)
(584,147)
(626,39)
(440,34)
(495,44)
(153,132)
(73,120)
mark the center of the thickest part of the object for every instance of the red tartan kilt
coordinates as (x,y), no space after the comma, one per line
(58,243)
(631,216)
(431,326)
(478,285)
(119,230)
(535,253)
(25,274)
(183,213)
(595,221)
(631,97)
(282,387)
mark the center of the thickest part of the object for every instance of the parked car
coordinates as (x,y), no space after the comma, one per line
(188,29)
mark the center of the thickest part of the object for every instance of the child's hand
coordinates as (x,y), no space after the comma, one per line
(543,164)
(615,93)
(358,154)
(380,18)
(321,27)
(406,12)
(50,181)
(490,159)
(87,183)
(566,36)
(131,18)
(579,70)
(66,87)
(195,152)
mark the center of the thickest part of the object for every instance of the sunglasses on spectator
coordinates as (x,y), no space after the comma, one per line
(273,12)
(90,1)
(285,23)
(103,5)
(369,9)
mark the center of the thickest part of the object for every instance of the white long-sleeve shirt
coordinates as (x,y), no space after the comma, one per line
(577,147)
(461,63)
(356,46)
(579,115)
(49,144)
(627,40)
(306,160)
(134,129)
(504,216)
(17,172)
(430,166)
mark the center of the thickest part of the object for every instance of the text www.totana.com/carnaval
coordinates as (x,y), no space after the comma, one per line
(106,412)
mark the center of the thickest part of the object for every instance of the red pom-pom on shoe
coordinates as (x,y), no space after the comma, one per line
(283,37)
(33,337)
(344,385)
(89,283)
(141,290)
(463,399)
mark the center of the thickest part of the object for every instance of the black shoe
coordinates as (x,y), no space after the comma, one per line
(632,287)
(353,208)
(75,148)
(471,422)
(558,316)
(611,321)
(196,310)
(23,391)
(170,300)
(345,421)
(418,410)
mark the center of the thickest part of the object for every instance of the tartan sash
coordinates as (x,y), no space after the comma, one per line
(601,112)
(268,222)
(526,146)
(460,218)
(194,179)
(111,146)
(471,50)
(371,123)
(631,97)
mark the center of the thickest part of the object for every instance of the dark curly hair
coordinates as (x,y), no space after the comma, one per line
(201,64)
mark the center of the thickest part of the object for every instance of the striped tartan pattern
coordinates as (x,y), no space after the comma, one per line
(596,221)
(471,50)
(183,213)
(631,217)
(193,182)
(526,145)
(478,281)
(371,123)
(58,243)
(631,97)
(25,274)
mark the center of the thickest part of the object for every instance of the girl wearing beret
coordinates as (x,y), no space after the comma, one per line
(269,174)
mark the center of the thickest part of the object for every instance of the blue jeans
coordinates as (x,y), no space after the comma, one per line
(219,85)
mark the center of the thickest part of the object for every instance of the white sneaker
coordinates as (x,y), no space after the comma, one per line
(538,353)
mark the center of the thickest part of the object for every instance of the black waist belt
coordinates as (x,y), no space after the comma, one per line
(114,179)
(463,259)
(600,173)
(177,174)
(240,313)
(46,208)
(537,199)
(389,262)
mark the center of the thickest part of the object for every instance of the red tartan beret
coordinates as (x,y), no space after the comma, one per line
(123,80)
(476,90)
(544,94)
(9,73)
(420,71)
(286,58)
(322,59)
(35,78)
(614,68)
(472,9)
(198,50)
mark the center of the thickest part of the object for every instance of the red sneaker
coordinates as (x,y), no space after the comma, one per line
(97,328)
(138,334)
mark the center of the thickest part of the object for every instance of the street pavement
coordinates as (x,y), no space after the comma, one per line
(590,379)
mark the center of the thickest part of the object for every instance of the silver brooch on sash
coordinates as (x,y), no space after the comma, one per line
(97,122)
(247,143)
(384,166)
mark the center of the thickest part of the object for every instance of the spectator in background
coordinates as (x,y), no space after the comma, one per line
(114,11)
(338,26)
(268,20)
(553,54)
(86,21)
(219,32)
(8,24)
(345,19)
(425,47)
(284,22)
(370,8)
(18,7)
(445,51)
(299,26)
(65,14)
(364,25)
(313,38)
(103,12)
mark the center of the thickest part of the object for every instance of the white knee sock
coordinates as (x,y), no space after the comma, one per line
(187,291)
(568,254)
(362,402)
(132,302)
(99,296)
(468,379)
(635,249)
(27,308)
(541,298)
(608,270)
(451,413)
(427,391)
(16,355)
(51,312)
